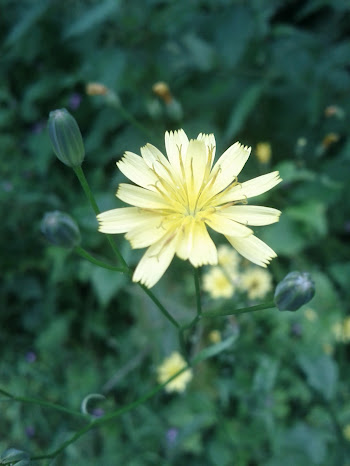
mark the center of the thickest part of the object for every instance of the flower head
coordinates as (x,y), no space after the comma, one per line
(174,363)
(177,197)
(218,284)
(256,282)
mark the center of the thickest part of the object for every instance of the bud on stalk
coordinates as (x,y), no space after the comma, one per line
(60,229)
(295,290)
(66,138)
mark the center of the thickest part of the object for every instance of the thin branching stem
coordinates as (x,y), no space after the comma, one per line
(46,404)
(86,255)
(243,310)
(126,269)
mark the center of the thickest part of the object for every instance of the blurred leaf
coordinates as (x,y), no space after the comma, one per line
(213,350)
(321,374)
(242,110)
(54,336)
(232,37)
(290,172)
(312,214)
(91,18)
(285,237)
(341,274)
(265,375)
(107,284)
(29,18)
(301,445)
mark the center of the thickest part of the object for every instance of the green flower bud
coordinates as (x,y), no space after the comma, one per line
(296,289)
(60,229)
(66,138)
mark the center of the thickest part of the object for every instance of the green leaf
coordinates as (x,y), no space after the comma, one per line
(321,374)
(242,110)
(312,215)
(285,237)
(14,455)
(28,20)
(213,350)
(106,284)
(92,18)
(290,172)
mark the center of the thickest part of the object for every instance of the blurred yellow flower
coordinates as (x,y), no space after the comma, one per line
(96,89)
(228,257)
(162,90)
(170,366)
(256,282)
(310,314)
(341,330)
(177,197)
(263,152)
(328,348)
(217,284)
(346,432)
(214,336)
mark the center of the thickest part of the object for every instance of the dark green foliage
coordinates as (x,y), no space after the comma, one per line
(263,70)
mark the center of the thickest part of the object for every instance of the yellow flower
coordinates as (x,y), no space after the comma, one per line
(256,282)
(177,197)
(263,152)
(174,363)
(310,314)
(214,336)
(217,284)
(227,257)
(328,348)
(341,330)
(346,432)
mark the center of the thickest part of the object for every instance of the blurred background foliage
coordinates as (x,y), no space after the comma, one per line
(267,71)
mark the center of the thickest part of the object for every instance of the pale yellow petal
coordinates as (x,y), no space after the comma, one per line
(253,249)
(176,144)
(154,262)
(135,168)
(141,197)
(251,188)
(151,155)
(229,165)
(122,220)
(146,234)
(195,165)
(203,249)
(227,226)
(185,238)
(210,144)
(252,214)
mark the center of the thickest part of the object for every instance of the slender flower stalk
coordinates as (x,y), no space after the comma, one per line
(177,197)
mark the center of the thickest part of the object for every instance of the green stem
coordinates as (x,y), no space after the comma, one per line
(198,291)
(85,185)
(115,102)
(83,253)
(108,417)
(159,305)
(46,404)
(244,310)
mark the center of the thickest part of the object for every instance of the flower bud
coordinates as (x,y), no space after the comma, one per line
(296,289)
(66,138)
(60,229)
(161,89)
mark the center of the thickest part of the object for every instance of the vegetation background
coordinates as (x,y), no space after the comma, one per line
(255,71)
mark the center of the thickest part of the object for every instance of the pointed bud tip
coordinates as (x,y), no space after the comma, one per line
(66,138)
